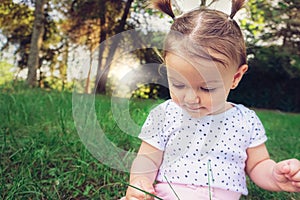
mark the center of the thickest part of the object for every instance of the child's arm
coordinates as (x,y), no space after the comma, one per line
(269,175)
(143,171)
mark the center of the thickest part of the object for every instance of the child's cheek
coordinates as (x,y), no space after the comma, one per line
(174,98)
(218,101)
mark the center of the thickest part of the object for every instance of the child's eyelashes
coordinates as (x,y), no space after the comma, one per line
(207,89)
(183,86)
(178,86)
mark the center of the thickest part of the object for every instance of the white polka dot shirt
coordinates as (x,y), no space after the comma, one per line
(203,151)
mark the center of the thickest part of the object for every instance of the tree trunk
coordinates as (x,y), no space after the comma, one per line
(36,43)
(88,79)
(64,65)
(100,84)
(102,73)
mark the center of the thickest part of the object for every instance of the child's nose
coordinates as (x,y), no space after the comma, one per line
(191,97)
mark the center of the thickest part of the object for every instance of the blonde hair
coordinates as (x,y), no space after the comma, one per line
(206,30)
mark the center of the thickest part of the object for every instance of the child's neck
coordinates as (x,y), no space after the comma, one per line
(226,107)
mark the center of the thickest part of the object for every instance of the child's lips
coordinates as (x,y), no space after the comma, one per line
(193,109)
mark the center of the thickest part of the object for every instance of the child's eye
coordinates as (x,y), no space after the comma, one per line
(207,89)
(178,86)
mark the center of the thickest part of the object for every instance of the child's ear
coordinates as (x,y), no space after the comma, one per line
(239,75)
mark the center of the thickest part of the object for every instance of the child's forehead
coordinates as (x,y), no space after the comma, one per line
(202,57)
(204,65)
(203,70)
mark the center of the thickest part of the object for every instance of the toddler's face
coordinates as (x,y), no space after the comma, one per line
(201,89)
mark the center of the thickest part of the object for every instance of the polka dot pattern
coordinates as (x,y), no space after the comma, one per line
(197,150)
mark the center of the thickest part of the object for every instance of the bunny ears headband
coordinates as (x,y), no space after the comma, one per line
(166,7)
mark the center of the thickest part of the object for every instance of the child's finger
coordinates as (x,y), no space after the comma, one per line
(282,168)
(294,172)
(287,170)
(296,177)
(296,184)
(281,171)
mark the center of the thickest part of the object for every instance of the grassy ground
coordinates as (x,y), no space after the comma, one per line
(42,156)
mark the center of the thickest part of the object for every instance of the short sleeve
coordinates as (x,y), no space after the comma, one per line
(258,133)
(152,130)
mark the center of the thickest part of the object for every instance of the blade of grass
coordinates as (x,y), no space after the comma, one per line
(148,193)
(209,173)
(172,188)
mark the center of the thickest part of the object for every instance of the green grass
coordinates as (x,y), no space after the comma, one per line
(283,142)
(42,156)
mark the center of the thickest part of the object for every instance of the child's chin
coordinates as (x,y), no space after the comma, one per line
(198,114)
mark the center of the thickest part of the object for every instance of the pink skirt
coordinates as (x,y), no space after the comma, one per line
(164,191)
(184,192)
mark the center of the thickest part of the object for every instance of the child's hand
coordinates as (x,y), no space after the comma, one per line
(287,175)
(142,183)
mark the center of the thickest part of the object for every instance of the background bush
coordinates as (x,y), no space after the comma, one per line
(272,81)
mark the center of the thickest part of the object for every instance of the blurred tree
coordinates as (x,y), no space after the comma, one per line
(272,35)
(274,27)
(99,20)
(84,22)
(16,25)
(36,42)
(274,22)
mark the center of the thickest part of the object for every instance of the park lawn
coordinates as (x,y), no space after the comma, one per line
(42,156)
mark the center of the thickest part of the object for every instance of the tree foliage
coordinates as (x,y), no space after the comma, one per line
(5,72)
(91,22)
(276,22)
(16,22)
(274,56)
(274,36)
(82,22)
(16,25)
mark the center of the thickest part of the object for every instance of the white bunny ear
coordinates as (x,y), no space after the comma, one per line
(221,5)
(177,7)
(212,2)
(184,6)
(205,4)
